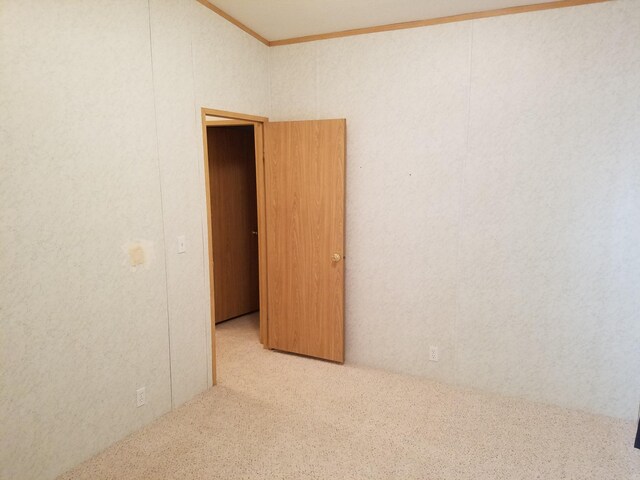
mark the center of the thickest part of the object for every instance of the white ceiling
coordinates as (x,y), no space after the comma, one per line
(280,19)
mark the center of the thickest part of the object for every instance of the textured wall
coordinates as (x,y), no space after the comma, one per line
(199,60)
(493,198)
(493,183)
(85,174)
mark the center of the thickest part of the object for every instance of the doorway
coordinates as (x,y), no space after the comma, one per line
(299,175)
(234,219)
(234,180)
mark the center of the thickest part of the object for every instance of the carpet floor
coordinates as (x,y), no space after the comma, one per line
(279,416)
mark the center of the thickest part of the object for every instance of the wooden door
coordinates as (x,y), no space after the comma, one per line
(305,197)
(232,177)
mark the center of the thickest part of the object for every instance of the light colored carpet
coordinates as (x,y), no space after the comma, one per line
(278,416)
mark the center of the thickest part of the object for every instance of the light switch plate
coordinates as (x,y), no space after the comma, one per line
(182,244)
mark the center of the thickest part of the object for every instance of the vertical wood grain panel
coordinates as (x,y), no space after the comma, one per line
(234,219)
(262,233)
(305,189)
(207,189)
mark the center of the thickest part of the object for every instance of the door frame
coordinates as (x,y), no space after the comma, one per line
(258,130)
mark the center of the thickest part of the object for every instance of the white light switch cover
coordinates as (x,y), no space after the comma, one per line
(182,244)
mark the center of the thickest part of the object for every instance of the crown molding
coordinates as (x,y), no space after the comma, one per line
(237,23)
(404,25)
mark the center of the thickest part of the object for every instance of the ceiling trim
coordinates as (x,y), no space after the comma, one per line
(404,25)
(237,23)
(435,21)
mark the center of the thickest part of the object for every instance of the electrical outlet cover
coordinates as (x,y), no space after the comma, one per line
(141,397)
(434,355)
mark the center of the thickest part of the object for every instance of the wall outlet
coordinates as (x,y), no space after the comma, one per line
(141,397)
(182,244)
(434,355)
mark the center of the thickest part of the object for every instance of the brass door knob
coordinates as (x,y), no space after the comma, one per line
(336,257)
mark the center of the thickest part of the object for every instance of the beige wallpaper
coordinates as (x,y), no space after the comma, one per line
(101,151)
(199,60)
(493,198)
(493,206)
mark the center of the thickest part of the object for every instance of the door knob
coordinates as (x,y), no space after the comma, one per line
(254,233)
(336,257)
